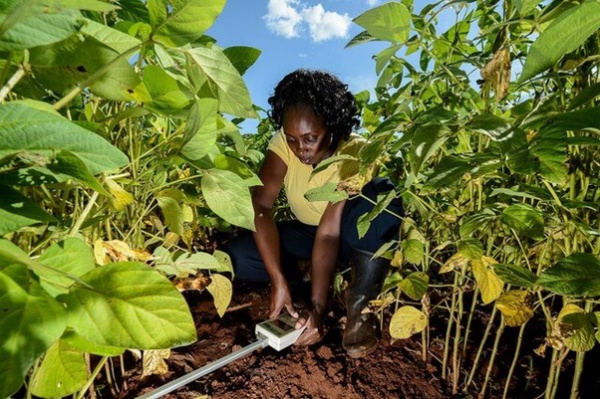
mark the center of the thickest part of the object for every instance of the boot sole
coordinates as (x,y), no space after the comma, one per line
(358,353)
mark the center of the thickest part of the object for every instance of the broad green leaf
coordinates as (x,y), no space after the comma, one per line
(225,81)
(488,282)
(577,326)
(77,341)
(526,220)
(470,248)
(577,24)
(413,251)
(115,39)
(587,118)
(130,305)
(167,94)
(515,306)
(576,275)
(449,171)
(10,253)
(425,142)
(242,57)
(415,285)
(69,164)
(585,96)
(31,24)
(228,196)
(198,261)
(364,221)
(479,220)
(361,38)
(326,192)
(62,65)
(391,281)
(549,150)
(31,321)
(23,128)
(202,120)
(91,5)
(406,322)
(331,160)
(238,167)
(491,125)
(183,21)
(384,56)
(515,275)
(71,256)
(221,290)
(390,22)
(62,372)
(456,261)
(17,211)
(172,211)
(224,261)
(525,7)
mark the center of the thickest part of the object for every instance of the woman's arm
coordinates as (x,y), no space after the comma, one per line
(271,174)
(324,258)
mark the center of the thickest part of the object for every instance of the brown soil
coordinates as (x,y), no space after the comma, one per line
(394,370)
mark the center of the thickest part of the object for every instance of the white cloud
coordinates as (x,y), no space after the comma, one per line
(302,55)
(283,19)
(324,25)
(287,18)
(372,3)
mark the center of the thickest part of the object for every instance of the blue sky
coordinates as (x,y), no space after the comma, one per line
(299,34)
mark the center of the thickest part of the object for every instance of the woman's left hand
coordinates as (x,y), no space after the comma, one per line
(313,332)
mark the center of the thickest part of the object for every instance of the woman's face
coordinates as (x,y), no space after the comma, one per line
(306,134)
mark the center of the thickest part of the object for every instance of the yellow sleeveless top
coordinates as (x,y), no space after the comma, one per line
(297,179)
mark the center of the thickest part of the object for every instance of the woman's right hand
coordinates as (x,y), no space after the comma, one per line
(280,299)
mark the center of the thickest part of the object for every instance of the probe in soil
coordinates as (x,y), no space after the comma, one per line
(277,333)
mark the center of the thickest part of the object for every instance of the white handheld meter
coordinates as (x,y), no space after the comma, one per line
(280,332)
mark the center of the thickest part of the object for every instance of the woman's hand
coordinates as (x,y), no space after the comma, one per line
(314,332)
(281,298)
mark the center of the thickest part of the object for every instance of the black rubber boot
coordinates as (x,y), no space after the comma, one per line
(361,335)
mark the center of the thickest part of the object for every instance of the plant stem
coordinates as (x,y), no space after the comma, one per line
(449,327)
(492,358)
(12,82)
(84,214)
(579,363)
(468,328)
(481,346)
(92,377)
(515,358)
(551,375)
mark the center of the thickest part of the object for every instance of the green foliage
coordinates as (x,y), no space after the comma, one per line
(575,275)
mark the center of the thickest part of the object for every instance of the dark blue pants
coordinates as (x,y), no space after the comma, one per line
(297,239)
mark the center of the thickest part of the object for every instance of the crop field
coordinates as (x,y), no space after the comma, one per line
(123,172)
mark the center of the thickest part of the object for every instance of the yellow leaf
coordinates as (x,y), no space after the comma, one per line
(221,290)
(188,213)
(100,254)
(457,261)
(154,362)
(397,259)
(170,239)
(515,306)
(406,322)
(488,282)
(120,198)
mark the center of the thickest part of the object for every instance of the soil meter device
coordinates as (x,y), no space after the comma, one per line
(277,333)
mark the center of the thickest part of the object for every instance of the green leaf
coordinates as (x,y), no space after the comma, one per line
(586,95)
(526,220)
(77,341)
(221,290)
(172,211)
(31,321)
(242,57)
(576,275)
(71,256)
(130,305)
(62,372)
(115,39)
(576,24)
(406,322)
(10,253)
(71,62)
(183,21)
(228,196)
(198,261)
(390,22)
(515,306)
(17,211)
(470,248)
(413,251)
(574,323)
(364,221)
(224,261)
(587,118)
(415,285)
(238,167)
(202,121)
(479,220)
(425,142)
(69,164)
(331,160)
(525,7)
(225,81)
(25,128)
(168,95)
(31,24)
(361,38)
(515,275)
(326,192)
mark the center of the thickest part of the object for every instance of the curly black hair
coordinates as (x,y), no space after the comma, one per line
(328,97)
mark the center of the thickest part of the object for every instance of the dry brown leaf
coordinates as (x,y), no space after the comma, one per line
(497,73)
(193,283)
(154,362)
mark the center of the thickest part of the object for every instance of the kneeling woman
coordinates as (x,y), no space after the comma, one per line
(314,114)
